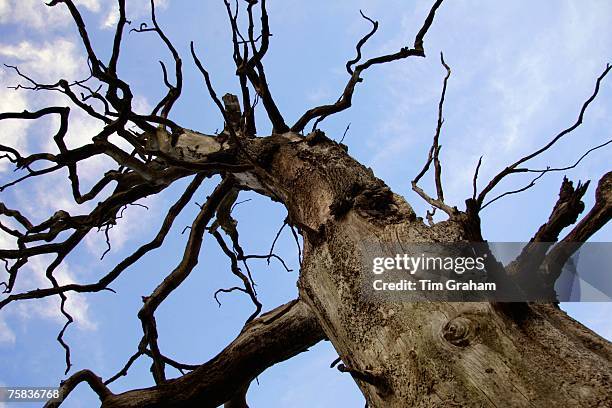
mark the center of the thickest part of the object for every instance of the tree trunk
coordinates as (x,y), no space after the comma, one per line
(400,354)
(448,354)
(420,354)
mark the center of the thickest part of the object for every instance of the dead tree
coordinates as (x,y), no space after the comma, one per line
(399,354)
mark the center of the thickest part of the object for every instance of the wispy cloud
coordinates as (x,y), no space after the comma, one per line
(35,14)
(13,131)
(33,276)
(7,336)
(47,62)
(502,96)
(111,17)
(319,95)
(134,9)
(133,222)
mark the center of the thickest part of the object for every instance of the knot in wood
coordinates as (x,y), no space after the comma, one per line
(459,331)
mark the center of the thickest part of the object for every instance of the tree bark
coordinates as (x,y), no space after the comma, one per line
(400,354)
(421,354)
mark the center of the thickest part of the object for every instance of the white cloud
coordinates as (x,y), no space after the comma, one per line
(92,5)
(81,129)
(31,13)
(135,9)
(7,336)
(47,195)
(506,89)
(32,275)
(141,105)
(7,241)
(35,14)
(48,61)
(112,16)
(134,222)
(13,131)
(4,8)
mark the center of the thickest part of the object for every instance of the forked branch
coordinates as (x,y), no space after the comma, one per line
(599,215)
(564,213)
(434,157)
(345,100)
(274,337)
(514,167)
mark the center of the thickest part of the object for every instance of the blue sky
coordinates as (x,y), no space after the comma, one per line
(520,72)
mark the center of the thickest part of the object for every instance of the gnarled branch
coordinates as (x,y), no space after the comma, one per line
(274,337)
(345,100)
